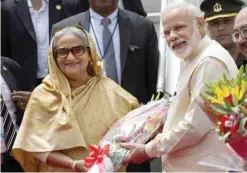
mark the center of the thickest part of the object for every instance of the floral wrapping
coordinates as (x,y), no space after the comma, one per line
(138,126)
(225,103)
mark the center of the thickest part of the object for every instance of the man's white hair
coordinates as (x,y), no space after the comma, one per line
(242,12)
(193,10)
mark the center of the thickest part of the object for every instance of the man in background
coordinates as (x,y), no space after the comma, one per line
(11,113)
(220,16)
(240,32)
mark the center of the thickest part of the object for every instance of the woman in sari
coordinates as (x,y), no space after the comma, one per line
(73,107)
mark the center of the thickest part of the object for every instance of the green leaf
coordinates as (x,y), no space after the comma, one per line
(236,109)
(228,106)
(208,85)
(205,98)
(242,92)
(242,128)
(226,79)
(219,83)
(241,71)
(210,93)
(219,109)
(245,77)
(152,99)
(158,96)
(243,110)
(234,99)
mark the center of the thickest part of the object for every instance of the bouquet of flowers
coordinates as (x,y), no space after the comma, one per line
(225,103)
(138,126)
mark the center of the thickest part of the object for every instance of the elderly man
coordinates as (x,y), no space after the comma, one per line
(188,135)
(240,31)
(220,17)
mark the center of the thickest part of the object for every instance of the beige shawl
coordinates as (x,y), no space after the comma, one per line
(58,119)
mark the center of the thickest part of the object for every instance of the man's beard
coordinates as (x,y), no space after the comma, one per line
(189,45)
(184,51)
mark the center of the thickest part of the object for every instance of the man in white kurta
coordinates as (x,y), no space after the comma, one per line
(188,135)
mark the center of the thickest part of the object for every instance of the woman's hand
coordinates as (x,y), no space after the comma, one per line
(78,166)
(21,98)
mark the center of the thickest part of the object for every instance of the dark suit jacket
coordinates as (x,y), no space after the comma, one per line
(12,74)
(135,6)
(242,60)
(18,39)
(138,51)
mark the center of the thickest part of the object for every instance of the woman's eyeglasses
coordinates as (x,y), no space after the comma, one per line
(62,53)
(241,33)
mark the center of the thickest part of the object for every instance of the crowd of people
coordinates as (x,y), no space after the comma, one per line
(71,68)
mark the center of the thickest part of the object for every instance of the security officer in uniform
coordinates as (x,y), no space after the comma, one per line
(220,16)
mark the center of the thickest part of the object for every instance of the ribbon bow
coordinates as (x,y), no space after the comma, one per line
(96,156)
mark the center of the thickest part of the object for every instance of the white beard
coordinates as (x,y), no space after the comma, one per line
(183,52)
(190,45)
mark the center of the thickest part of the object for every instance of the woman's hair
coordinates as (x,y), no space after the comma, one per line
(73,30)
(78,32)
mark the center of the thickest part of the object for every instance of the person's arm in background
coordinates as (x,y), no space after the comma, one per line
(152,61)
(190,130)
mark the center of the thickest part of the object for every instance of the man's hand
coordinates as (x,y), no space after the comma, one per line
(21,98)
(137,154)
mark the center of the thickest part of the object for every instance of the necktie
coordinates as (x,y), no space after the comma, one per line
(109,53)
(8,126)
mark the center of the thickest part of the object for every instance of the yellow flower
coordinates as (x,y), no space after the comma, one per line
(242,90)
(217,100)
(243,84)
(235,91)
(220,93)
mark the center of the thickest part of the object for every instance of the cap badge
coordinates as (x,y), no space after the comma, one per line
(217,7)
(4,68)
(58,7)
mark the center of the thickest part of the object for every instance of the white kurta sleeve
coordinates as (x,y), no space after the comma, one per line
(195,123)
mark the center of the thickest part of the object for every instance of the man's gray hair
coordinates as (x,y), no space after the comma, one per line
(193,10)
(73,31)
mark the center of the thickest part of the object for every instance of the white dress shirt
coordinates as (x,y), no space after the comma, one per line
(98,28)
(40,21)
(188,135)
(120,4)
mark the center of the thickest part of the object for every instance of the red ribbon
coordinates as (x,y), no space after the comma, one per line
(96,156)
